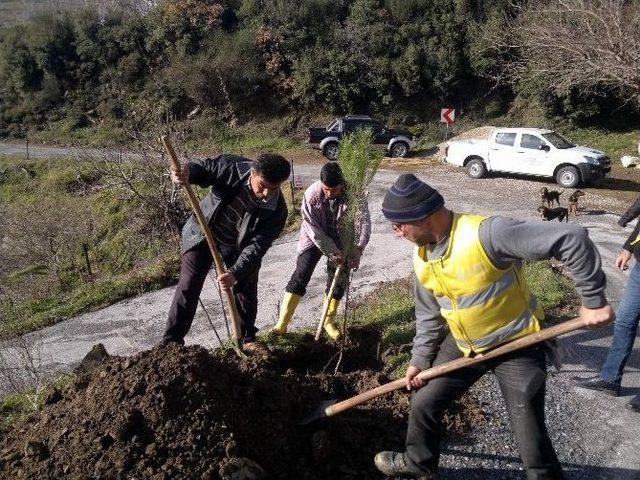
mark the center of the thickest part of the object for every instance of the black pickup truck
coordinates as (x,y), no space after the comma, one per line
(396,143)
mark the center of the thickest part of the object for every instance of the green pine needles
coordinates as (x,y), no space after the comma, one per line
(359,161)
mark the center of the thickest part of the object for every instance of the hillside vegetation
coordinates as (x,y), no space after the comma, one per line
(93,73)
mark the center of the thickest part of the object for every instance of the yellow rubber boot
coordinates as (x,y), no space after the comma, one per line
(287,307)
(329,326)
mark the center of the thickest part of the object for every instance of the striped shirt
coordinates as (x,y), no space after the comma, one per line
(226,226)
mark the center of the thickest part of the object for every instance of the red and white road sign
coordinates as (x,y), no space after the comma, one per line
(447,115)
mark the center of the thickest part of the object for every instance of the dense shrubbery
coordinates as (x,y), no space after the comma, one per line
(236,59)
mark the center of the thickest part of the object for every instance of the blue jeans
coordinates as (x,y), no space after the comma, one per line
(624,329)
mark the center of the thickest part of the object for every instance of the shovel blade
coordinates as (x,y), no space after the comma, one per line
(319,412)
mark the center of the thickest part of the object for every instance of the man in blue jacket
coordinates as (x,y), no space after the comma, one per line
(246,213)
(609,378)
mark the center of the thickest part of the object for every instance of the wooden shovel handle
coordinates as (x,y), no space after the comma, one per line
(217,258)
(439,370)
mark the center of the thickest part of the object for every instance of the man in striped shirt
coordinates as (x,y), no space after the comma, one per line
(246,213)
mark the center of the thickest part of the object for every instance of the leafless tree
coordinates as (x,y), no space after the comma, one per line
(42,238)
(21,368)
(141,174)
(570,44)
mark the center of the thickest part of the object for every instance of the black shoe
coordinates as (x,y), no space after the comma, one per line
(597,383)
(395,463)
(634,404)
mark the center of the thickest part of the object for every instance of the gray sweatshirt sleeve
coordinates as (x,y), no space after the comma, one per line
(507,240)
(430,328)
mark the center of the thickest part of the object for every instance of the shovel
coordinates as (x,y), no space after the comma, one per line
(217,258)
(331,408)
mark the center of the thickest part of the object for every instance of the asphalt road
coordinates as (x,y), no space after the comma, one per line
(603,431)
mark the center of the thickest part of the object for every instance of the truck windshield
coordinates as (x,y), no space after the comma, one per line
(557,141)
(333,126)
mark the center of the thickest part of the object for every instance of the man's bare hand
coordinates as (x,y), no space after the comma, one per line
(181,177)
(411,381)
(597,317)
(227,280)
(337,258)
(623,258)
(354,263)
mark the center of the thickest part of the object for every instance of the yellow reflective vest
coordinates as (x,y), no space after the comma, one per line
(483,305)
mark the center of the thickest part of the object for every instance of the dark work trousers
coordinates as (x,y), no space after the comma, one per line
(521,376)
(305,265)
(193,271)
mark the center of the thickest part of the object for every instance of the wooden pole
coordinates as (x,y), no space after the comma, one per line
(217,258)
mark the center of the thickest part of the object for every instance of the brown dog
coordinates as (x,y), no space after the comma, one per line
(573,201)
(548,214)
(549,196)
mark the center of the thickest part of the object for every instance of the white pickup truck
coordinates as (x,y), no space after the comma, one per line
(529,151)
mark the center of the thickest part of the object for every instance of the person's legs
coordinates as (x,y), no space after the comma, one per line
(245,293)
(305,265)
(522,376)
(193,271)
(624,329)
(429,404)
(334,301)
(341,284)
(297,287)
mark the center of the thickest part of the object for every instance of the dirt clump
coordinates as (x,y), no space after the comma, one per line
(186,413)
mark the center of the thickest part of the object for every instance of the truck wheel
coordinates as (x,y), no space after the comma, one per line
(399,149)
(476,168)
(330,150)
(568,177)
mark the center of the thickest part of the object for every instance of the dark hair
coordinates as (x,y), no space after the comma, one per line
(273,167)
(331,174)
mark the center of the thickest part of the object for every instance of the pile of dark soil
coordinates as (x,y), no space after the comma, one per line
(186,413)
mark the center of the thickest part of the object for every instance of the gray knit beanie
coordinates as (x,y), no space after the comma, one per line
(410,199)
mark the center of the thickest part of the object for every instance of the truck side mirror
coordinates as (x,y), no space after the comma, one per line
(545,148)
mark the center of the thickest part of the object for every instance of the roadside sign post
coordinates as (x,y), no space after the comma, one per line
(447,116)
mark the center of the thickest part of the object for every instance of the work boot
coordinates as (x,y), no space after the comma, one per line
(634,404)
(395,463)
(287,308)
(329,326)
(601,385)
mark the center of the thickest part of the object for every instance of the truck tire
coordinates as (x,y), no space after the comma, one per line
(330,150)
(568,177)
(399,149)
(476,168)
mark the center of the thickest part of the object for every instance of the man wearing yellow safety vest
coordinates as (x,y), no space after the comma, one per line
(625,329)
(470,297)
